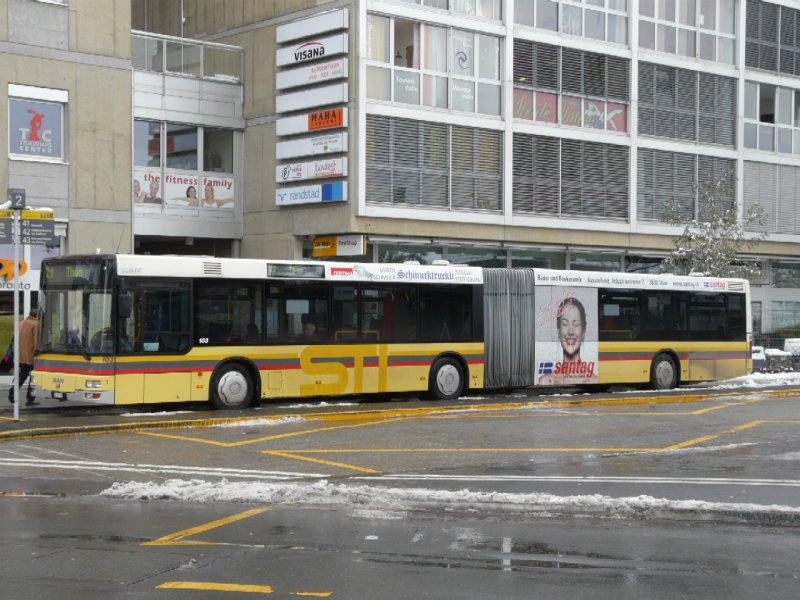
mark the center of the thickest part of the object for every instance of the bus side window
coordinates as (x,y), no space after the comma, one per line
(736,326)
(225,310)
(620,315)
(290,305)
(443,311)
(159,319)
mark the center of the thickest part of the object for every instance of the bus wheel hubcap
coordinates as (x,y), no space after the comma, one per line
(232,387)
(448,379)
(664,373)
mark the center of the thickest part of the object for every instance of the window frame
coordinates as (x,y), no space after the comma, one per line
(423,75)
(722,38)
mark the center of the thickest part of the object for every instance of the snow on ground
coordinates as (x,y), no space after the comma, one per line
(376,499)
(754,380)
(317,405)
(262,422)
(164,413)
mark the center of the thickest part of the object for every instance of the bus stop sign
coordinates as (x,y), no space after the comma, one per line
(16,198)
(37,227)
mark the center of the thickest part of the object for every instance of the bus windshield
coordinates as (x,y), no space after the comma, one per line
(75,309)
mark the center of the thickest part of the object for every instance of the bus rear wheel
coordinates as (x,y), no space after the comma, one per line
(231,387)
(663,373)
(446,379)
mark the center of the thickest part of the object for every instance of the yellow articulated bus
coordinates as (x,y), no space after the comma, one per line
(130,329)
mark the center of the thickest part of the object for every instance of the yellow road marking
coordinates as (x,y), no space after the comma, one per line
(706,438)
(140,426)
(177,539)
(215,587)
(317,594)
(708,409)
(268,438)
(406,414)
(329,463)
(454,450)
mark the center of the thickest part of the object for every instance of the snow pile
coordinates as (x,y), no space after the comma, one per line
(407,499)
(754,380)
(261,422)
(776,352)
(163,413)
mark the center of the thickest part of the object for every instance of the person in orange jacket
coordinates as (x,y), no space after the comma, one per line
(27,344)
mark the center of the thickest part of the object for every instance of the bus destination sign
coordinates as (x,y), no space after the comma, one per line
(296,271)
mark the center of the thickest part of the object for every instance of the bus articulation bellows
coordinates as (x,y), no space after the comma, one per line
(130,329)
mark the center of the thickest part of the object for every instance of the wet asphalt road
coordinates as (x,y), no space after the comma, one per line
(739,448)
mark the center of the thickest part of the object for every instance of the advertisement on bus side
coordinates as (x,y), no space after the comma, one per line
(566,348)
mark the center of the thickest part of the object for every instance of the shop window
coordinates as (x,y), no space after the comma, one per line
(218,150)
(181,147)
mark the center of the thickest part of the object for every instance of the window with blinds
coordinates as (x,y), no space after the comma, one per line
(570,87)
(775,189)
(682,184)
(772,38)
(570,178)
(687,105)
(418,163)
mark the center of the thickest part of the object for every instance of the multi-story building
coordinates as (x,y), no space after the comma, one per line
(490,132)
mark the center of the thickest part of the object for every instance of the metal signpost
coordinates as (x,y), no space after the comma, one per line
(34,227)
(16,198)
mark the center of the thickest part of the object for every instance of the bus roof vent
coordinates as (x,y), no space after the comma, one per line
(736,286)
(212,268)
(440,263)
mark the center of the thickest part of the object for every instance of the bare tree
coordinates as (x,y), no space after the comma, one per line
(713,238)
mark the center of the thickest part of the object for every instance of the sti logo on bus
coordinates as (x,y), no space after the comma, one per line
(309,50)
(717,285)
(330,370)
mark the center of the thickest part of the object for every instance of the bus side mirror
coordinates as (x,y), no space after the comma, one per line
(123,306)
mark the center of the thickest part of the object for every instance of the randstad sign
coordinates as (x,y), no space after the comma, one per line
(311,194)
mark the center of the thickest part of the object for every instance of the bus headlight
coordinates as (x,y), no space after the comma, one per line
(92,384)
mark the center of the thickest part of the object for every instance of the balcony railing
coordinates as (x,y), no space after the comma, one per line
(182,56)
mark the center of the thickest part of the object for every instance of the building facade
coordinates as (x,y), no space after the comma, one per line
(489,132)
(66,78)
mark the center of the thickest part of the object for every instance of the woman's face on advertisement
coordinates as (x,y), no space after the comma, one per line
(570,330)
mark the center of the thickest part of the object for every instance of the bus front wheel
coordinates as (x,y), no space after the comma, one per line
(232,387)
(446,379)
(663,373)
